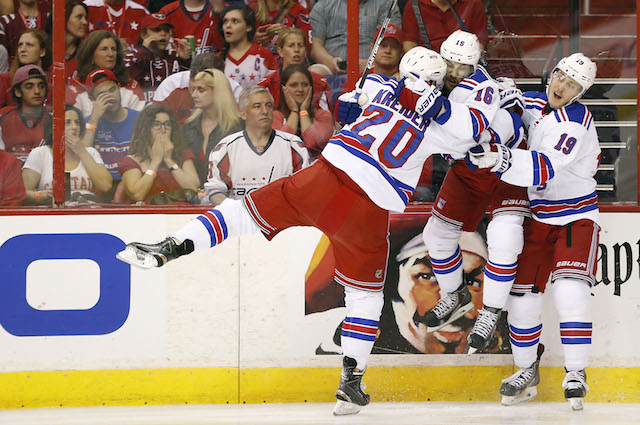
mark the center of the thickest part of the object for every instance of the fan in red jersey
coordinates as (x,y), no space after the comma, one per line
(28,16)
(245,61)
(121,17)
(198,18)
(275,16)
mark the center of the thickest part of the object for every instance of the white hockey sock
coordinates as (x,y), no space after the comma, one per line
(505,240)
(442,240)
(228,219)
(525,327)
(360,327)
(572,298)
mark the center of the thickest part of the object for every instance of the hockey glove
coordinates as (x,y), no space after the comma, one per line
(495,156)
(349,108)
(510,95)
(420,96)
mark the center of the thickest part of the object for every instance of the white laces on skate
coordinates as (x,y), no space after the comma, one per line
(575,379)
(485,323)
(445,305)
(521,378)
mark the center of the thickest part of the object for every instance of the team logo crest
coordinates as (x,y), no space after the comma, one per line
(379,274)
(441,203)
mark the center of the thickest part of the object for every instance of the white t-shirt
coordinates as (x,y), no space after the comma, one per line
(40,160)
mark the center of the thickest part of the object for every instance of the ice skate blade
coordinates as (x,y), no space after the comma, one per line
(577,403)
(528,394)
(343,408)
(137,258)
(458,314)
(472,350)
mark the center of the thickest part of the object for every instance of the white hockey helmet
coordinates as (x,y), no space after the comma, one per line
(578,67)
(425,63)
(462,47)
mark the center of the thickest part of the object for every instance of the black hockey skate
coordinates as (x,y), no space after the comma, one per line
(449,309)
(575,388)
(146,256)
(350,393)
(521,386)
(483,328)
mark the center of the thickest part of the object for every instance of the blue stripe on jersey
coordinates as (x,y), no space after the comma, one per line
(531,106)
(550,172)
(465,86)
(535,95)
(209,227)
(444,116)
(562,201)
(557,115)
(536,169)
(576,112)
(565,213)
(480,75)
(378,78)
(395,184)
(516,119)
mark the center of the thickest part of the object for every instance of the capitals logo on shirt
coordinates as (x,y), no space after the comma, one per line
(257,64)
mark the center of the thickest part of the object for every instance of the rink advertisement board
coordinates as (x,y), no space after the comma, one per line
(238,322)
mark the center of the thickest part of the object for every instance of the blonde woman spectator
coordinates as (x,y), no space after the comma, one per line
(158,158)
(216,116)
(292,48)
(88,173)
(296,113)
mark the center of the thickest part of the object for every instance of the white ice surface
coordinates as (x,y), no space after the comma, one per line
(320,414)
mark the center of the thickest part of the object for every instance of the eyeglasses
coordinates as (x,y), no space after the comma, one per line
(157,125)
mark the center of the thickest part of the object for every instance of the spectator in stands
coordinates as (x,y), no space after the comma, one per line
(440,22)
(250,159)
(175,92)
(152,61)
(292,48)
(158,158)
(274,16)
(34,48)
(76,14)
(329,30)
(111,122)
(21,126)
(216,116)
(82,162)
(12,26)
(101,49)
(121,17)
(245,61)
(198,18)
(296,113)
(12,191)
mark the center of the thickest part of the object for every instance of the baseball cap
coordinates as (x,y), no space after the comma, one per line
(393,31)
(99,76)
(28,71)
(154,20)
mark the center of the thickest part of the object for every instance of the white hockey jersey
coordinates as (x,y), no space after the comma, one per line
(561,163)
(383,151)
(237,168)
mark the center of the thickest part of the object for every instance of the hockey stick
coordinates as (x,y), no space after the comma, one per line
(374,51)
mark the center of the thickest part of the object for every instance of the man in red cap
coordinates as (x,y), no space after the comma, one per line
(110,122)
(152,60)
(21,126)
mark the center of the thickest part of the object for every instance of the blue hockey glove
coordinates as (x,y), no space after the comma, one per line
(349,108)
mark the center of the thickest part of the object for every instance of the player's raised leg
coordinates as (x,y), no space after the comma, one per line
(505,240)
(228,219)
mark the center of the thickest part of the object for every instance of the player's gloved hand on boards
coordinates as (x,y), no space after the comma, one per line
(495,156)
(416,94)
(349,106)
(510,95)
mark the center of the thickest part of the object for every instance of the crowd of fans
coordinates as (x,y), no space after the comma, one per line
(188,100)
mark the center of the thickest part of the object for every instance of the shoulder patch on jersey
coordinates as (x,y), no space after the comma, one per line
(576,112)
(534,100)
(480,76)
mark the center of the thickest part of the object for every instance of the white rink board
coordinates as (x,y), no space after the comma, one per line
(242,304)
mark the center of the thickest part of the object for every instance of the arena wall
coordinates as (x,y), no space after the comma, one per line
(229,325)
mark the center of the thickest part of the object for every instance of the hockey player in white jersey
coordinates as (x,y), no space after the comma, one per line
(561,240)
(467,194)
(369,168)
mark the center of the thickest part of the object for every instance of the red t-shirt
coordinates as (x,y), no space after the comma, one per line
(126,25)
(202,25)
(439,25)
(12,191)
(20,134)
